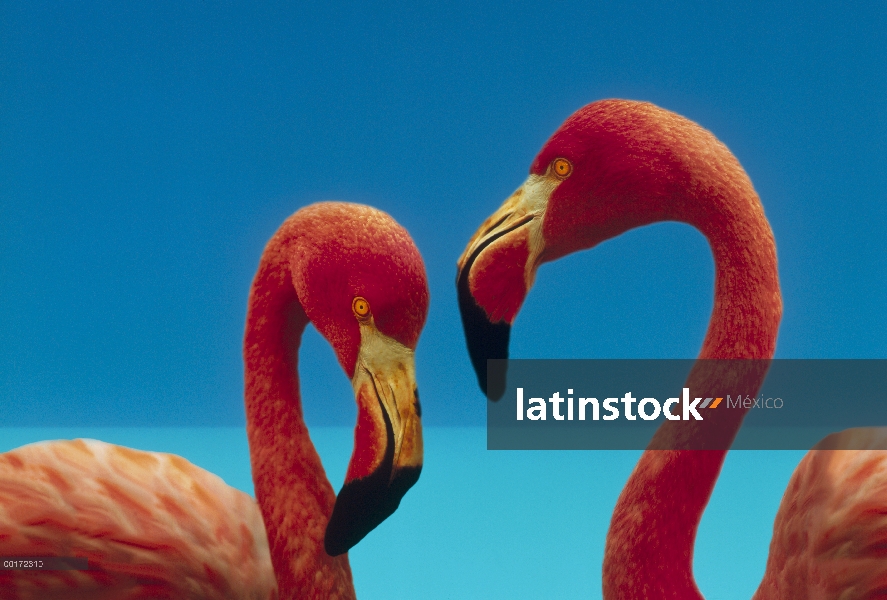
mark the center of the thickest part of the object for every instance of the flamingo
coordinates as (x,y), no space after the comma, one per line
(614,165)
(153,525)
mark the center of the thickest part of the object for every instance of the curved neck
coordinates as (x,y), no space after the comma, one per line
(292,490)
(649,549)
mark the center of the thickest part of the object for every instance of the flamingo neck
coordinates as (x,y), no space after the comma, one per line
(649,548)
(292,490)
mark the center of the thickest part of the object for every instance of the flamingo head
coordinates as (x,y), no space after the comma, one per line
(603,172)
(362,284)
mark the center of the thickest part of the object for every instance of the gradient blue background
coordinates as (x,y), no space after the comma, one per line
(147,154)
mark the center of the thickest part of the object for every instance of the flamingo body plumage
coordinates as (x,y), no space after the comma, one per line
(615,165)
(153,525)
(830,532)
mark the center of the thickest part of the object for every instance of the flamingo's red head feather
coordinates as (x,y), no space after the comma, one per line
(355,250)
(612,166)
(631,165)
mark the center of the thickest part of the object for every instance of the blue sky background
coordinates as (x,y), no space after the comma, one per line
(147,153)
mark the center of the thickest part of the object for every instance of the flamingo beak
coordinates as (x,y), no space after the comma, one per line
(494,274)
(387,456)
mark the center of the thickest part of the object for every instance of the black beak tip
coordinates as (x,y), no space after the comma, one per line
(485,340)
(335,545)
(363,504)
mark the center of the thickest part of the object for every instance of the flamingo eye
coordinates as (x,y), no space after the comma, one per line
(361,308)
(562,167)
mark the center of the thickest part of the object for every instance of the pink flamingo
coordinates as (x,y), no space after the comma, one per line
(155,526)
(615,165)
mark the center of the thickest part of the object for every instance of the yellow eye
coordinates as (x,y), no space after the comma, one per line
(361,308)
(562,167)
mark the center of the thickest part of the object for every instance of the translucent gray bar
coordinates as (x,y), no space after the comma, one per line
(799,403)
